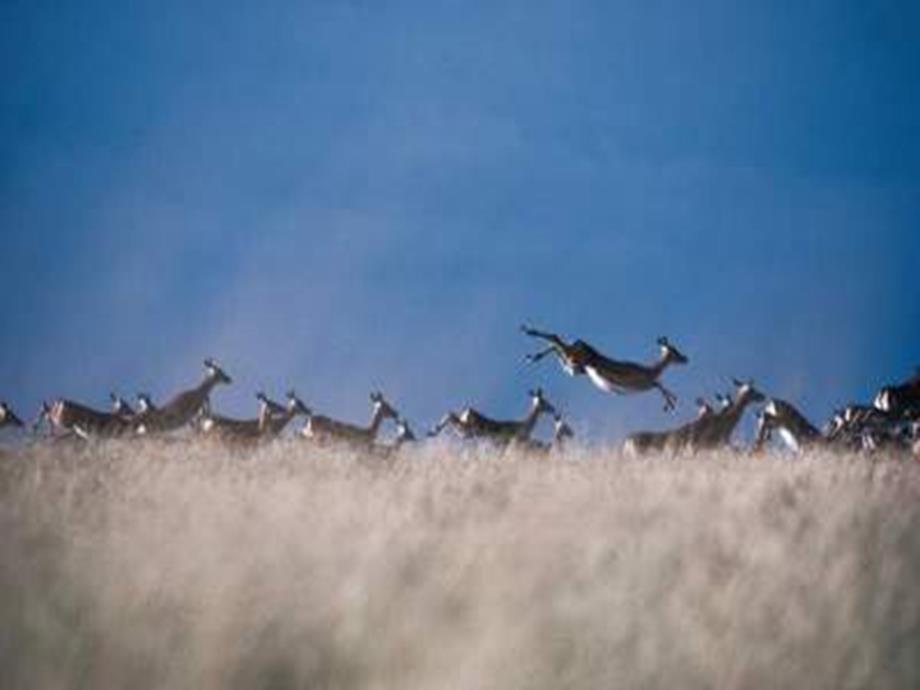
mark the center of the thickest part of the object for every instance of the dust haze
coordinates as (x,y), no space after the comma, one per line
(162,565)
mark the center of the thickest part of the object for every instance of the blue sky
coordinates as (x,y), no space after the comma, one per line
(340,195)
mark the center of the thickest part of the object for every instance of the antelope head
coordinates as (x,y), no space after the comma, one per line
(8,417)
(381,407)
(539,403)
(669,353)
(703,408)
(295,405)
(119,405)
(745,392)
(268,405)
(215,373)
(144,403)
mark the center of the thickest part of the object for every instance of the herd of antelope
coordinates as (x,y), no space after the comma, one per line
(890,423)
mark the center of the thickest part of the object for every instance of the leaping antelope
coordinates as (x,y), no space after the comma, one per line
(325,430)
(610,375)
(473,424)
(185,406)
(8,417)
(72,417)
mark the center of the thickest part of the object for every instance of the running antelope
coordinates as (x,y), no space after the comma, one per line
(71,417)
(185,406)
(708,431)
(233,429)
(610,375)
(716,431)
(8,417)
(471,423)
(273,418)
(324,430)
(793,428)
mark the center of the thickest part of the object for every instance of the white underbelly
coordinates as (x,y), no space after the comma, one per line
(600,381)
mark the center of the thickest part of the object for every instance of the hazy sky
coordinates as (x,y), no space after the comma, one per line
(340,195)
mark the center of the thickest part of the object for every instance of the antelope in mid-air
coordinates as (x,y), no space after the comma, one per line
(325,430)
(8,417)
(473,424)
(185,406)
(85,422)
(610,375)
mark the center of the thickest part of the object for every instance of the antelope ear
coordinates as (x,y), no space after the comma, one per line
(737,382)
(663,341)
(291,394)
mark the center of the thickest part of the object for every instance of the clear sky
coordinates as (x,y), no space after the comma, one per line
(340,195)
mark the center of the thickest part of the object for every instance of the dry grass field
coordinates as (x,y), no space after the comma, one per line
(175,566)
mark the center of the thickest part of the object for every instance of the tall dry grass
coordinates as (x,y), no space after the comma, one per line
(172,566)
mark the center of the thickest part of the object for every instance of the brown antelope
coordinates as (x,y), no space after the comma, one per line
(796,432)
(610,375)
(232,429)
(71,417)
(185,406)
(8,417)
(325,430)
(273,418)
(708,431)
(471,423)
(716,431)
